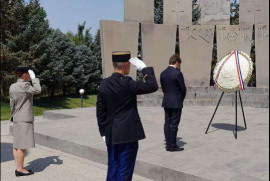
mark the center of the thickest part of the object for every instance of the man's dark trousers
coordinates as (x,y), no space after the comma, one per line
(172,120)
(121,161)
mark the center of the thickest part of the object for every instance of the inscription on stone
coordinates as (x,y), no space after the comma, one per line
(178,12)
(215,11)
(230,38)
(254,12)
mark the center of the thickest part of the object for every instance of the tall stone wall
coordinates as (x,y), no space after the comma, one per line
(262,56)
(118,36)
(196,45)
(158,45)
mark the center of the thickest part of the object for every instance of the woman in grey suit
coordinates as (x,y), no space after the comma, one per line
(22,115)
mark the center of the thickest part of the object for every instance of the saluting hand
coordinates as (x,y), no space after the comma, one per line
(139,65)
(32,74)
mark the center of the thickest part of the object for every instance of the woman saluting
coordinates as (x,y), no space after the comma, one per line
(22,115)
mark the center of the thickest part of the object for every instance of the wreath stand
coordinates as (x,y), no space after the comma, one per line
(236,121)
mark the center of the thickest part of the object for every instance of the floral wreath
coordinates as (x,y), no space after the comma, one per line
(233,72)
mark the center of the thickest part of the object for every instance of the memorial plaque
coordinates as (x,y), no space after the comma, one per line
(139,10)
(254,12)
(215,12)
(196,46)
(262,56)
(158,45)
(177,12)
(234,37)
(118,36)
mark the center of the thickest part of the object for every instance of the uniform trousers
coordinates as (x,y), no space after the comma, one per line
(172,120)
(121,161)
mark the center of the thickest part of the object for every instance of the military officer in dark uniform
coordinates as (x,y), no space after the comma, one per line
(117,114)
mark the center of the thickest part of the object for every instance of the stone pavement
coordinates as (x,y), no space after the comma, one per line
(50,164)
(216,156)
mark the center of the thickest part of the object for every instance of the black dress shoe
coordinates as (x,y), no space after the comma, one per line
(20,174)
(174,149)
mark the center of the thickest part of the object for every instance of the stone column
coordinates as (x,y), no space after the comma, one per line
(139,10)
(118,36)
(158,45)
(196,47)
(262,56)
(215,12)
(177,12)
(254,12)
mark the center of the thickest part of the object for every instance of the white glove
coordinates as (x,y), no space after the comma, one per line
(139,65)
(32,74)
(104,139)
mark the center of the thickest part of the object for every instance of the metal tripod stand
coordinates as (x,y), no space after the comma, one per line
(236,121)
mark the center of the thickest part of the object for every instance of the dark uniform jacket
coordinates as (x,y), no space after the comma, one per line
(117,112)
(174,88)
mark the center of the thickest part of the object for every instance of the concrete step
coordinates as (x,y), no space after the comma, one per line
(207,96)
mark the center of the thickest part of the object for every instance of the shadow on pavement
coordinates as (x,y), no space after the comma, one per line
(227,127)
(6,152)
(179,142)
(41,164)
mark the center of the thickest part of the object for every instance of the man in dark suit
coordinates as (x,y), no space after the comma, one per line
(117,114)
(174,88)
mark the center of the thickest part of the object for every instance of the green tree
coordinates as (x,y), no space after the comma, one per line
(159,11)
(55,67)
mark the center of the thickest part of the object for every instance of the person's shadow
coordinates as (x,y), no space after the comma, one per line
(41,164)
(178,142)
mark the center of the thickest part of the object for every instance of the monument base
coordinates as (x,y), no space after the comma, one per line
(207,96)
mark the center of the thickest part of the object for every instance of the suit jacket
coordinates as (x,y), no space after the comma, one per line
(174,88)
(117,112)
(21,100)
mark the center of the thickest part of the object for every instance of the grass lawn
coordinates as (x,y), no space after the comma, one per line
(44,104)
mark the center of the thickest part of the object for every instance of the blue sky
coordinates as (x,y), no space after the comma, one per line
(67,14)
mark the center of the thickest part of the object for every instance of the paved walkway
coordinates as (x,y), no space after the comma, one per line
(216,156)
(50,164)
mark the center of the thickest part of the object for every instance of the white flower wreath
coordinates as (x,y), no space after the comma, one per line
(233,72)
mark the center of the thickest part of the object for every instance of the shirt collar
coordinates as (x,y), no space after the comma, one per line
(172,66)
(20,80)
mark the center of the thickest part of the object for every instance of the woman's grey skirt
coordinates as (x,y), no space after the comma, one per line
(23,135)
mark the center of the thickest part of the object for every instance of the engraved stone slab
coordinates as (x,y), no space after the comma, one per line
(215,12)
(117,36)
(158,45)
(262,55)
(139,10)
(196,46)
(254,12)
(234,37)
(177,12)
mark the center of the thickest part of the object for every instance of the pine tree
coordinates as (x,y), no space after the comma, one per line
(159,11)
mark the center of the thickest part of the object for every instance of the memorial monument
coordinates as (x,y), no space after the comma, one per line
(196,41)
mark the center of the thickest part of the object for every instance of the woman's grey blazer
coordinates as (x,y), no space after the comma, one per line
(21,100)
